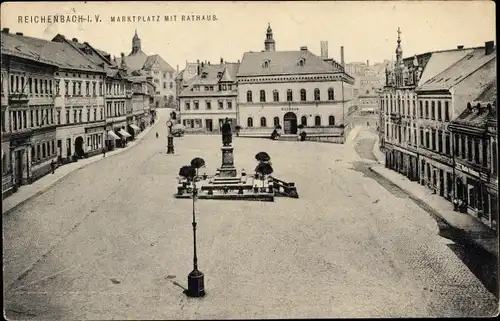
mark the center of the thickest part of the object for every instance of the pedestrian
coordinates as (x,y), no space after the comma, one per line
(156,134)
(53,166)
(104,152)
(368,123)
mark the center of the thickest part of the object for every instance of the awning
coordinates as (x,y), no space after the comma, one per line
(124,133)
(111,134)
(134,127)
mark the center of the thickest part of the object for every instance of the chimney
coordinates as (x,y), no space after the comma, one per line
(209,63)
(86,43)
(74,40)
(238,61)
(342,56)
(303,48)
(177,68)
(368,63)
(489,47)
(202,64)
(5,30)
(460,47)
(19,33)
(324,49)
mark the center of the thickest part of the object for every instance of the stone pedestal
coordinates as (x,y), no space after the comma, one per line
(227,169)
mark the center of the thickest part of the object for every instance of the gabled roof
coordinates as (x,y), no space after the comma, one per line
(134,62)
(164,66)
(458,71)
(64,55)
(227,72)
(283,63)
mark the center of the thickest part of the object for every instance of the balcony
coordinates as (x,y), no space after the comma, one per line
(18,98)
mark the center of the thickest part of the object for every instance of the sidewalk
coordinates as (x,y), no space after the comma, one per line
(468,226)
(378,154)
(26,192)
(353,134)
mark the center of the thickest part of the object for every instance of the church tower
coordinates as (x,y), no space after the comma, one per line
(136,44)
(269,43)
(399,62)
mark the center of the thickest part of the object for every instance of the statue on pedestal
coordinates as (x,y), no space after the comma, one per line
(227,136)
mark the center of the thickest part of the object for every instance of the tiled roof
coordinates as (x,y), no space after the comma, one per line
(283,63)
(228,72)
(472,117)
(440,60)
(134,61)
(164,66)
(489,93)
(62,54)
(11,45)
(459,70)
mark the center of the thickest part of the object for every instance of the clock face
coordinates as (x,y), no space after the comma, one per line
(192,70)
(169,123)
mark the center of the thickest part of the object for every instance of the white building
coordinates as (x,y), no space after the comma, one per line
(289,88)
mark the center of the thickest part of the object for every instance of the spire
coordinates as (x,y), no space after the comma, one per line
(269,43)
(136,43)
(399,50)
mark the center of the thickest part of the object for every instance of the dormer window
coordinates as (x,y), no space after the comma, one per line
(219,75)
(204,75)
(301,62)
(266,63)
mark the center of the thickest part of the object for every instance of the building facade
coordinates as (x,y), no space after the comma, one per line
(28,123)
(210,97)
(292,88)
(474,154)
(403,121)
(162,75)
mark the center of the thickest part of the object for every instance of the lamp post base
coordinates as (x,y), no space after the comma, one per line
(196,287)
(170,145)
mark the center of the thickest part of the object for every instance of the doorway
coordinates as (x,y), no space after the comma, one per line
(19,166)
(209,125)
(79,146)
(441,182)
(290,123)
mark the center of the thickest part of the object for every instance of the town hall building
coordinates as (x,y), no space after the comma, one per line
(292,88)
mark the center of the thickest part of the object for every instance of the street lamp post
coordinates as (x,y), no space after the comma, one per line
(196,287)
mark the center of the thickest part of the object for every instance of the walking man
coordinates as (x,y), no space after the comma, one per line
(104,152)
(53,166)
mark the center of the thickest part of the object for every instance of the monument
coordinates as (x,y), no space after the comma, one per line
(170,138)
(227,169)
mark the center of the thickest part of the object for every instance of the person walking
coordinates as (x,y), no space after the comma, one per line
(104,152)
(156,134)
(52,166)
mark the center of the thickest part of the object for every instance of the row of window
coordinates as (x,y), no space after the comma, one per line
(208,104)
(303,121)
(78,115)
(474,150)
(170,84)
(76,88)
(119,108)
(289,95)
(436,111)
(433,140)
(115,89)
(21,119)
(41,151)
(221,87)
(18,84)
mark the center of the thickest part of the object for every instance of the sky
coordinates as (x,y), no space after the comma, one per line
(366,29)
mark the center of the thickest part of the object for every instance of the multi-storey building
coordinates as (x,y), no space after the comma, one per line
(398,100)
(155,67)
(28,123)
(182,79)
(289,88)
(475,156)
(210,97)
(440,100)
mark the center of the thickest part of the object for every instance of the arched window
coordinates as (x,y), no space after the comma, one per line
(249,96)
(302,61)
(302,95)
(276,95)
(289,95)
(276,121)
(331,120)
(266,64)
(316,94)
(331,94)
(262,96)
(303,121)
(249,122)
(263,122)
(317,121)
